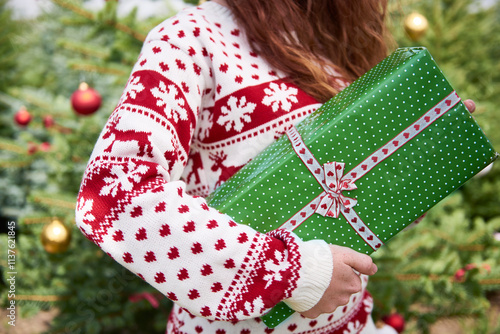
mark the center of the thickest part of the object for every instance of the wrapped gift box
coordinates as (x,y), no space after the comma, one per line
(366,164)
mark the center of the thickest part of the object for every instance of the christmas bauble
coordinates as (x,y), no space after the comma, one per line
(85,100)
(416,26)
(45,146)
(55,237)
(459,275)
(396,321)
(32,148)
(48,121)
(22,117)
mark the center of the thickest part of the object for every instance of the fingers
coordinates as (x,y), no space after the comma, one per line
(354,286)
(331,300)
(362,263)
(345,281)
(311,314)
(470,105)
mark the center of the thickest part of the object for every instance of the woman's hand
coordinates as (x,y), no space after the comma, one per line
(470,105)
(345,281)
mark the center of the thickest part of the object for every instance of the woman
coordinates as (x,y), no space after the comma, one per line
(213,86)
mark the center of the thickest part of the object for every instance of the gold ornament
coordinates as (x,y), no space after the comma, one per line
(416,26)
(55,237)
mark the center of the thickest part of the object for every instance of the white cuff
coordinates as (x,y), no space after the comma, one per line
(315,275)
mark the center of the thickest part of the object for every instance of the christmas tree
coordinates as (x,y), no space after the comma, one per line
(66,70)
(444,268)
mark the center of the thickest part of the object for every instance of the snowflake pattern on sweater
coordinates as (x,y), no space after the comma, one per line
(199,104)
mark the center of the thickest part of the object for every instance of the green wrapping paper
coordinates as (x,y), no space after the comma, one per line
(366,164)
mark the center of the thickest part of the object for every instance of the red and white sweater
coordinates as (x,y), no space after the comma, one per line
(199,104)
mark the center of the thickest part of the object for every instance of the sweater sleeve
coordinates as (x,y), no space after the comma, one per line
(134,206)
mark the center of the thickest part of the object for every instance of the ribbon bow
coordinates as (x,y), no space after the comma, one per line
(333,199)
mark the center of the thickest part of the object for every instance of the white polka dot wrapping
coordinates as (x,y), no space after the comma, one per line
(403,138)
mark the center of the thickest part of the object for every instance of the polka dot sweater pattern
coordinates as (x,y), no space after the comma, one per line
(199,104)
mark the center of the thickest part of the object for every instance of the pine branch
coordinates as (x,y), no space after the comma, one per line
(15,164)
(475,236)
(89,15)
(96,68)
(39,220)
(30,98)
(78,47)
(41,298)
(11,147)
(122,27)
(44,200)
(75,9)
(494,281)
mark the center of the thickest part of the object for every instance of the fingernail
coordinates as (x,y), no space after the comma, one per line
(471,106)
(374,269)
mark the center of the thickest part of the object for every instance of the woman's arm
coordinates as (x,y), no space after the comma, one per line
(133,205)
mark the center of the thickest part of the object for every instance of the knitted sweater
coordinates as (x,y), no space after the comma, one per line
(199,104)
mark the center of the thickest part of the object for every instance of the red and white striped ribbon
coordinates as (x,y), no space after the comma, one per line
(330,176)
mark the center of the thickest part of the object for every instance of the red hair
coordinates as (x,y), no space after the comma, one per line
(302,38)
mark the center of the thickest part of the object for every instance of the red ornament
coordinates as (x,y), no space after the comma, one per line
(470,266)
(396,321)
(22,117)
(460,275)
(85,100)
(32,148)
(45,146)
(48,121)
